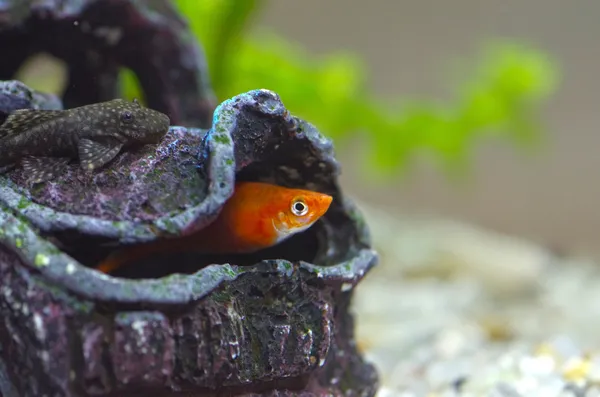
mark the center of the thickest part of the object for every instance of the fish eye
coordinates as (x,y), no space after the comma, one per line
(127,116)
(299,208)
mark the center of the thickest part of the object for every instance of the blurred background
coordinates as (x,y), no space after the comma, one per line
(551,195)
(470,297)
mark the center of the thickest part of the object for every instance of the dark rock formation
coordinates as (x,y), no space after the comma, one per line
(95,38)
(275,322)
(16,95)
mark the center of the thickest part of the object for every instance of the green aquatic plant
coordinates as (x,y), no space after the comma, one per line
(506,85)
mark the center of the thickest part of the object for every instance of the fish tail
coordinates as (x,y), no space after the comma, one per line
(136,253)
(118,259)
(126,256)
(110,264)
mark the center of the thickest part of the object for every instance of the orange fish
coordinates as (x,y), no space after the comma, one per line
(256,216)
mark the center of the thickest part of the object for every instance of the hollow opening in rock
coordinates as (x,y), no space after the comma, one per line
(301,247)
(306,246)
(43,72)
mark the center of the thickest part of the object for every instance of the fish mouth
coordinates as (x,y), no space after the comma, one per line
(165,120)
(326,201)
(158,132)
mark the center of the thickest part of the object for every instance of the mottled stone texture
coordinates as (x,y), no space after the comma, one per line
(255,325)
(272,323)
(16,95)
(97,37)
(275,326)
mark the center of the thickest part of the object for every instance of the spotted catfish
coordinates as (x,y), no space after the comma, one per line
(44,141)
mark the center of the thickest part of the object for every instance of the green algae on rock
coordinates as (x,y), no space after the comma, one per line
(275,321)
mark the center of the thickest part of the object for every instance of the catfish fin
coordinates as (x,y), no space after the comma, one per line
(94,154)
(40,169)
(22,120)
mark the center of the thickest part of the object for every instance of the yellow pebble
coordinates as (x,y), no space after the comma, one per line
(496,328)
(546,350)
(576,369)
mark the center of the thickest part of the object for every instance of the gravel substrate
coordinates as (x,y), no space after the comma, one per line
(456,311)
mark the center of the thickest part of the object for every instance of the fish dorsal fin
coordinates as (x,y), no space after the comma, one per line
(25,119)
